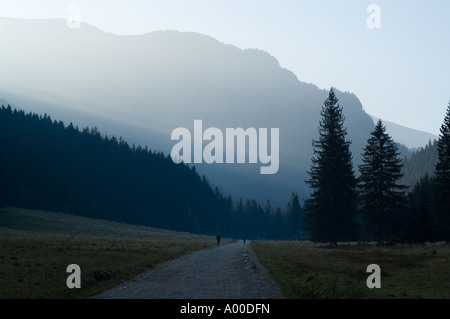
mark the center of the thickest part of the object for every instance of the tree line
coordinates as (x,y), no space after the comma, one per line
(374,206)
(47,165)
(421,162)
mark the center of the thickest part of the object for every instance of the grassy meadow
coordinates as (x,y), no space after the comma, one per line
(305,270)
(36,247)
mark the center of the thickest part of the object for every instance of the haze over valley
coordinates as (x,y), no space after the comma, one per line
(142,87)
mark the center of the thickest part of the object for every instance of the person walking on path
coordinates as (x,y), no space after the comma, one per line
(218,240)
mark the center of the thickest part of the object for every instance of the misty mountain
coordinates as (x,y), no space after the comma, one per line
(411,138)
(142,87)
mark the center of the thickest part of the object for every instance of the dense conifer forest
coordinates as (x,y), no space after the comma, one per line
(45,164)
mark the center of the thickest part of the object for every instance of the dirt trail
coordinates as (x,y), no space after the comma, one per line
(223,272)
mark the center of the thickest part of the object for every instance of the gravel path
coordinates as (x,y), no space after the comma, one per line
(223,272)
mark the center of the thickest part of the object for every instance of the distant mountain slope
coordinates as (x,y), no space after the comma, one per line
(49,166)
(420,163)
(143,87)
(414,139)
(60,223)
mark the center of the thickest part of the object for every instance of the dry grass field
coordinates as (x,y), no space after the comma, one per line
(36,247)
(306,270)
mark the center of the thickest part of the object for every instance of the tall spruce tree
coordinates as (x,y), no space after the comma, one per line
(442,180)
(330,211)
(382,198)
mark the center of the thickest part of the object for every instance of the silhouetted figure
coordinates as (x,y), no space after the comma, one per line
(244,241)
(218,240)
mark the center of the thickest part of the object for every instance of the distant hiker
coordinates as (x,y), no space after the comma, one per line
(244,241)
(218,240)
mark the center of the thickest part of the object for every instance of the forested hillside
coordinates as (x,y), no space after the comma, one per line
(45,164)
(420,163)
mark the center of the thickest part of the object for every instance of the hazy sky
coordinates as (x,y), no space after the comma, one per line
(399,71)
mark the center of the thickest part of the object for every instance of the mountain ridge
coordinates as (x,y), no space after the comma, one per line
(410,137)
(145,86)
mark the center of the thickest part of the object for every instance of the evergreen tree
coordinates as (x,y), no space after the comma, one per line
(442,180)
(268,220)
(382,198)
(419,221)
(279,227)
(331,210)
(294,216)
